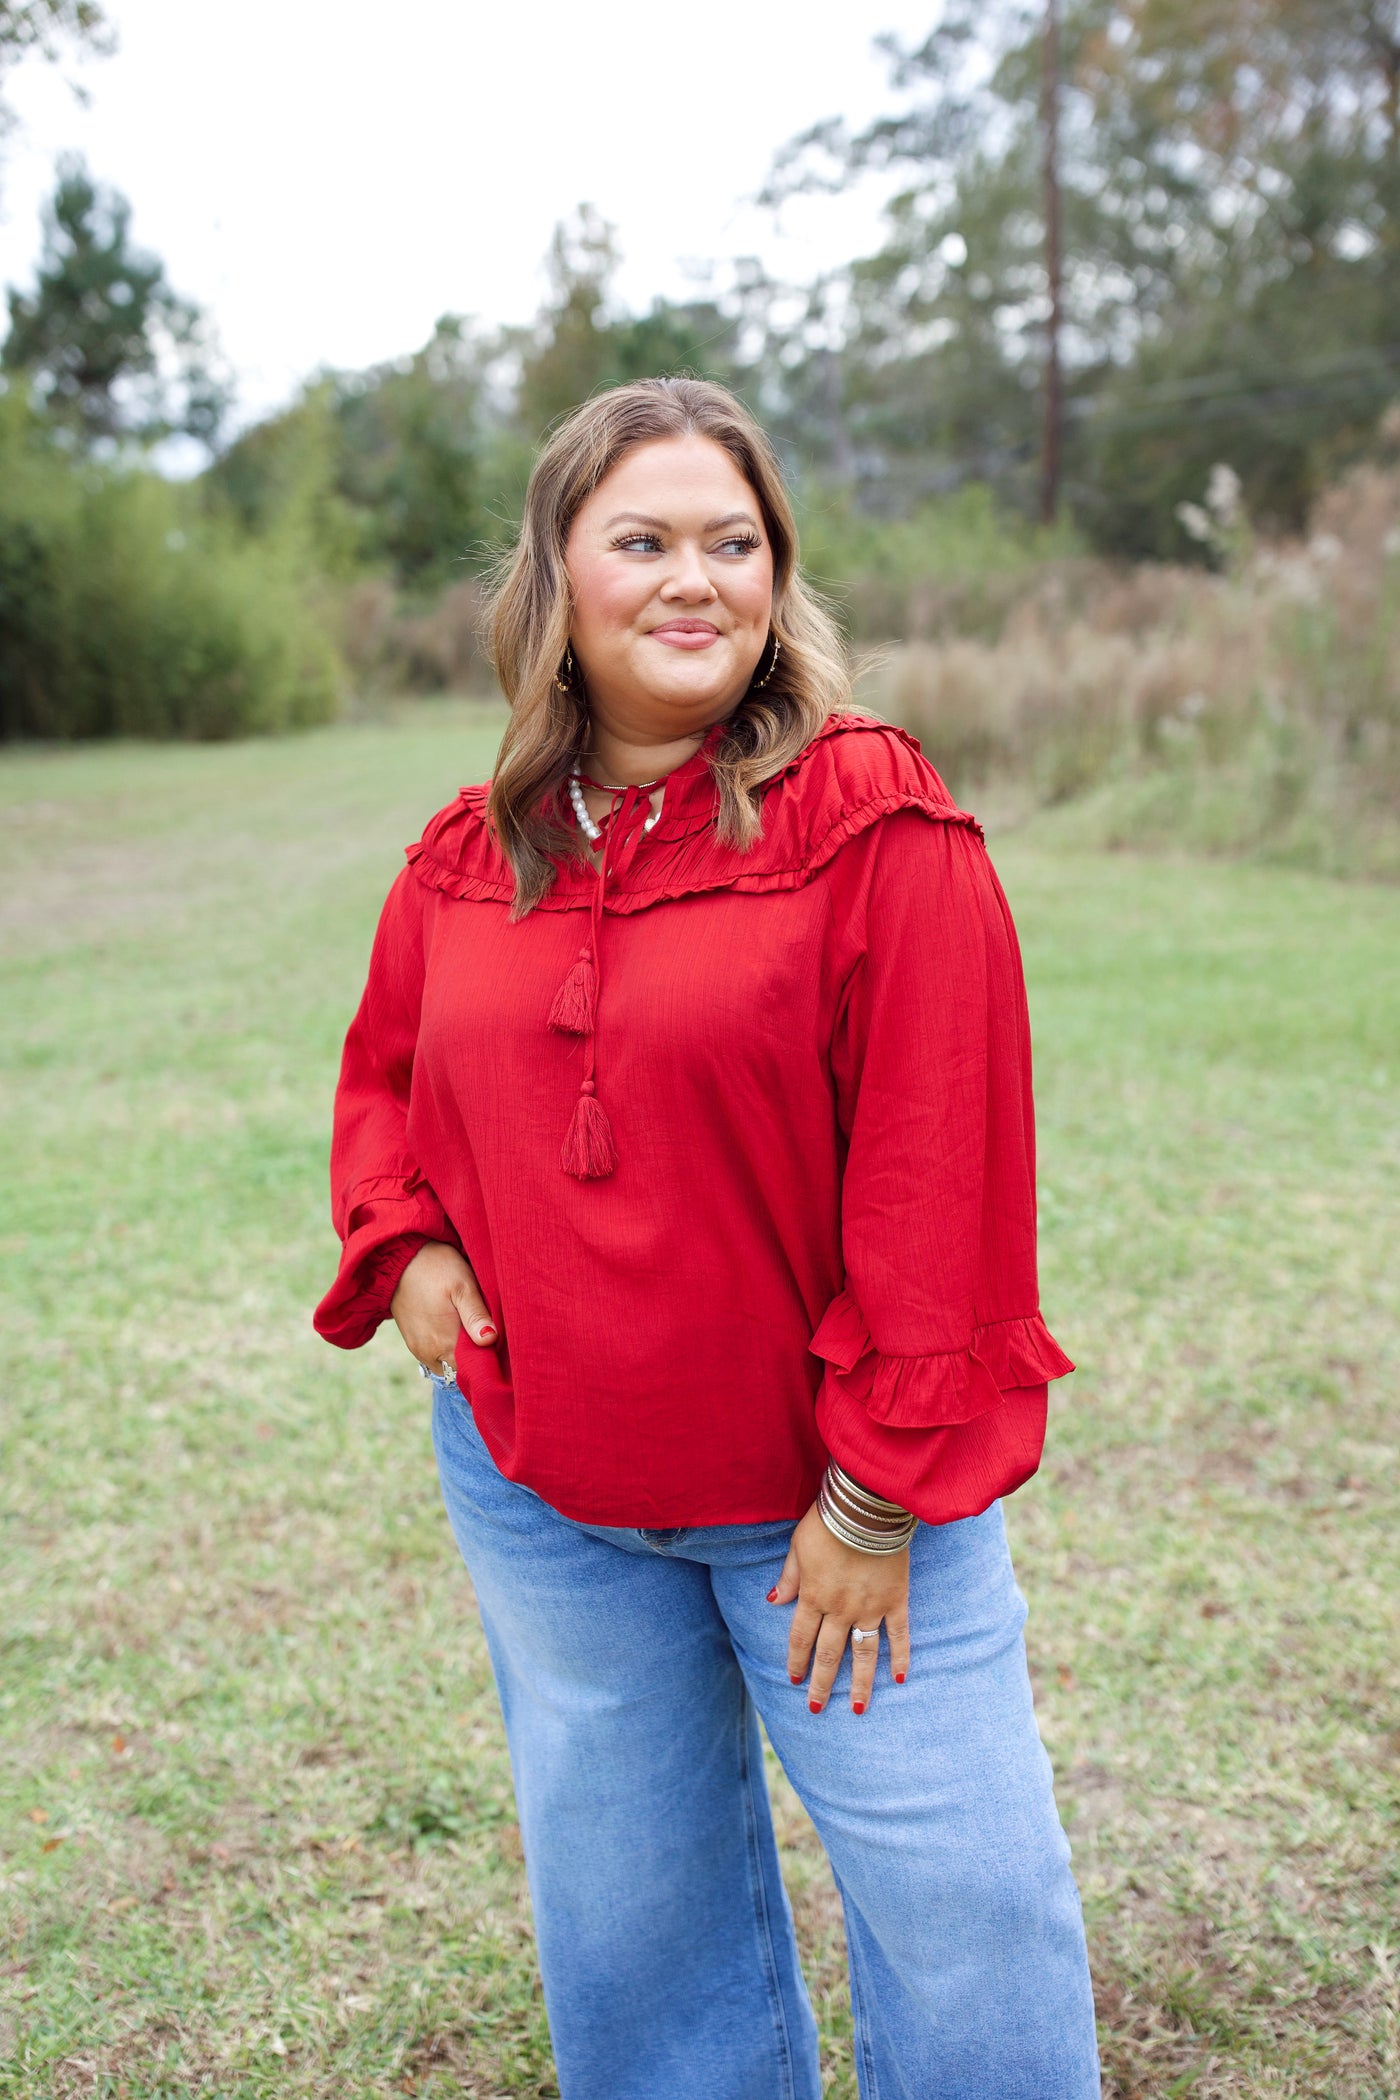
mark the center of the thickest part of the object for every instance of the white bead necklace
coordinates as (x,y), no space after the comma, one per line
(591,831)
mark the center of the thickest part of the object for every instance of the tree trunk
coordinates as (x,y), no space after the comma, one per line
(1054,390)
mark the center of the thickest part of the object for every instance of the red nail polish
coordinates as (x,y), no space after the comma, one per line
(773,1596)
(488,1334)
(794,1680)
(814,1706)
(899,1676)
(857,1706)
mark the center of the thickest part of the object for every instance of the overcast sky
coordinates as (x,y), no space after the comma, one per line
(328,176)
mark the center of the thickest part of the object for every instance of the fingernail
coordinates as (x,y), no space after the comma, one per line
(857,1706)
(814,1706)
(486,1334)
(795,1680)
(773,1595)
(899,1676)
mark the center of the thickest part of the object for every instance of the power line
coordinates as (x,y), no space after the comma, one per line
(1210,394)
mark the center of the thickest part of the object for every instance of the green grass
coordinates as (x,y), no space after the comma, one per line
(256,1832)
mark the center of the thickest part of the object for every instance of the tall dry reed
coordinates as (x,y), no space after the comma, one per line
(1255,709)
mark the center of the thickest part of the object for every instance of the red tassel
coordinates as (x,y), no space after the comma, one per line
(588,1152)
(576,1001)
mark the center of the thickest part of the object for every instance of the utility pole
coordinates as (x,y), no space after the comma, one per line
(1054,386)
(843,452)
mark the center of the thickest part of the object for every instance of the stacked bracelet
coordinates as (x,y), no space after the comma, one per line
(860,1519)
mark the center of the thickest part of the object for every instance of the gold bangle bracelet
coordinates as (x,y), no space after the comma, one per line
(857,1513)
(865,1545)
(846,1514)
(860,1507)
(841,1478)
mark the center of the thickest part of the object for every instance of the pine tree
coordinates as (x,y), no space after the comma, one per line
(111,351)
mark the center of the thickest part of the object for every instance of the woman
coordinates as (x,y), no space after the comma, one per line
(685,1131)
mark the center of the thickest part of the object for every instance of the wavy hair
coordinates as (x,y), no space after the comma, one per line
(529,617)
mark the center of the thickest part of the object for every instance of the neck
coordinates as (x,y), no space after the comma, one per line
(624,758)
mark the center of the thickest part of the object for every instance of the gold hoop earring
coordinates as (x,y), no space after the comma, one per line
(566,683)
(772,666)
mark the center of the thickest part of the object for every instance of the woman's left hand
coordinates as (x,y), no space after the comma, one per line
(838,1587)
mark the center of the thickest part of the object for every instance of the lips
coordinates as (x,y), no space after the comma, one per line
(686,634)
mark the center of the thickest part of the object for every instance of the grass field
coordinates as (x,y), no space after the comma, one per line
(256,1832)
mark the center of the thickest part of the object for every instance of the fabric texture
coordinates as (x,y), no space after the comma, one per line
(632,1667)
(812,1227)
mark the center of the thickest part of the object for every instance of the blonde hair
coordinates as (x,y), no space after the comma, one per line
(530,613)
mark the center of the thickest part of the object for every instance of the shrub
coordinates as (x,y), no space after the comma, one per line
(959,566)
(125,610)
(396,643)
(1255,710)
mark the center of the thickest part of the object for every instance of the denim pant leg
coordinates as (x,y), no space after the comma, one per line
(665,1937)
(969,1975)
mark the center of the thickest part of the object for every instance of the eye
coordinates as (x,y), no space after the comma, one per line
(638,543)
(740,543)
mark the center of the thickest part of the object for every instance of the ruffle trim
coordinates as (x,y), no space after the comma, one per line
(702,870)
(358,1302)
(383,1216)
(922,1392)
(364,1201)
(458,857)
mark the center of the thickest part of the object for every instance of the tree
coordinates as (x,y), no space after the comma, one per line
(281,482)
(410,455)
(1229,181)
(42,29)
(580,343)
(44,26)
(1279,122)
(383,467)
(111,350)
(945,327)
(414,465)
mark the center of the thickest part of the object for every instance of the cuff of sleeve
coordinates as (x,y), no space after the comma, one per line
(941,1474)
(384,1232)
(942,1388)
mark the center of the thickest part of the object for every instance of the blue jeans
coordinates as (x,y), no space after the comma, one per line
(632,1666)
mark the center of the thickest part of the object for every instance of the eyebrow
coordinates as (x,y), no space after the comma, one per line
(639,517)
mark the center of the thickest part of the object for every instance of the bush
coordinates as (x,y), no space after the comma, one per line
(125,610)
(395,643)
(1256,710)
(958,566)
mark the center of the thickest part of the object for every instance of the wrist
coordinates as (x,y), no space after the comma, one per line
(861,1518)
(390,1263)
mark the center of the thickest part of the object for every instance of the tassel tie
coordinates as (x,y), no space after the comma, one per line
(589,1152)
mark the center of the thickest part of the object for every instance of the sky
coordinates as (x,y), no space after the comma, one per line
(326,177)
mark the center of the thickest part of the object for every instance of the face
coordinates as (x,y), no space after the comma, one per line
(672,580)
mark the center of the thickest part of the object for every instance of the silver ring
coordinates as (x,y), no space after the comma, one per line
(864,1633)
(449,1370)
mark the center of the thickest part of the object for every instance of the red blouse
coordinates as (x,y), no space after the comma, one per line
(739,1145)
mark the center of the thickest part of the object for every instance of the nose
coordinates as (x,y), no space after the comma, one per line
(687,580)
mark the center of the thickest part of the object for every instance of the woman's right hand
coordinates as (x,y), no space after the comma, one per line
(437,1297)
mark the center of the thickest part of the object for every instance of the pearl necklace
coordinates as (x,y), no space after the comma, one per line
(591,831)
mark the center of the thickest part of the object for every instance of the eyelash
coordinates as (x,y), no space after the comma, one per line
(748,542)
